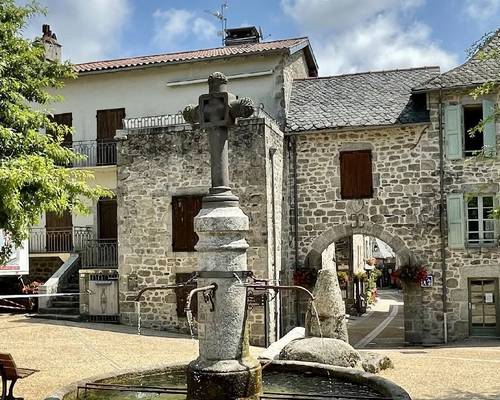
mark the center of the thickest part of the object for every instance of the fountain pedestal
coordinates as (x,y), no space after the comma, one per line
(224,369)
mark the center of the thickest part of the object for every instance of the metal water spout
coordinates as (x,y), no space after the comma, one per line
(280,287)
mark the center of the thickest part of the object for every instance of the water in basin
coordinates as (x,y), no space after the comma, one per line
(276,382)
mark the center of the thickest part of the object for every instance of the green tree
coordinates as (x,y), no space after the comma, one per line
(32,177)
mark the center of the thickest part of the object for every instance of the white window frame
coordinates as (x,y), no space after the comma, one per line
(481,241)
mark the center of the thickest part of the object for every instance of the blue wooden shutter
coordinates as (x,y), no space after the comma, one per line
(489,131)
(456,220)
(453,132)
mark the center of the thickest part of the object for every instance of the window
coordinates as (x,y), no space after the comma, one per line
(356,180)
(459,119)
(473,142)
(184,209)
(480,224)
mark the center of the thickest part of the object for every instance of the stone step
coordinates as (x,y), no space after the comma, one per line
(71,297)
(65,303)
(60,310)
(59,317)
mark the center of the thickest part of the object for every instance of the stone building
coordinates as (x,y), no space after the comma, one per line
(383,154)
(142,91)
(363,161)
(470,188)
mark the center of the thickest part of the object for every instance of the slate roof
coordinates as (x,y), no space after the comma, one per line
(473,72)
(291,45)
(357,100)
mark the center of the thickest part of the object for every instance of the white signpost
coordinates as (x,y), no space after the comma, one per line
(18,263)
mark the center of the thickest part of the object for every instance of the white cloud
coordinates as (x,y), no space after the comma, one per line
(367,35)
(204,28)
(88,30)
(482,9)
(382,43)
(176,25)
(339,14)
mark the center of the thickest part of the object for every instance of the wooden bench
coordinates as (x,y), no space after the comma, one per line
(10,372)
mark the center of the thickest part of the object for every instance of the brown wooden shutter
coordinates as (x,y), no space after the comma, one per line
(65,119)
(107,214)
(108,121)
(182,294)
(356,174)
(184,209)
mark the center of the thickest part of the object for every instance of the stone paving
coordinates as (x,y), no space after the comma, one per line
(65,352)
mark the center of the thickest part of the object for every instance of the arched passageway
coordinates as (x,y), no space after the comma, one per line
(321,253)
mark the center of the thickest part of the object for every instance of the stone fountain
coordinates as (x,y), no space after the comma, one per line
(224,368)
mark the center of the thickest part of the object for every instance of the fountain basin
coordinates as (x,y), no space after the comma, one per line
(279,377)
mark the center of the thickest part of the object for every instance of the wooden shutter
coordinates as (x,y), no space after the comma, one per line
(489,131)
(107,214)
(182,294)
(356,178)
(65,119)
(456,220)
(108,121)
(184,209)
(453,132)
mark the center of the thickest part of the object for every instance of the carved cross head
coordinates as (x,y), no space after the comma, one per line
(218,108)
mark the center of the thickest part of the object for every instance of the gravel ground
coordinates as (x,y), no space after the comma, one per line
(66,352)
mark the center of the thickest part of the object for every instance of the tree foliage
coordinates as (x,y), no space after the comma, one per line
(33,179)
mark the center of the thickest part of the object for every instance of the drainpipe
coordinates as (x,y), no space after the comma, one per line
(442,224)
(293,143)
(277,302)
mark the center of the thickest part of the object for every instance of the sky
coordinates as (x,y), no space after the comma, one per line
(346,35)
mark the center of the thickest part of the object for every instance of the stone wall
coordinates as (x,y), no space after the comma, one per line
(403,212)
(467,176)
(156,164)
(42,268)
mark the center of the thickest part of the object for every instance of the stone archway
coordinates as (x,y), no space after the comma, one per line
(321,243)
(412,297)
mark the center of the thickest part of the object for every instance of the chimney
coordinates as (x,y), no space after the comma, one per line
(238,36)
(52,47)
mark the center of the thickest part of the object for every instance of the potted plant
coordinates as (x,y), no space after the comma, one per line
(343,278)
(411,274)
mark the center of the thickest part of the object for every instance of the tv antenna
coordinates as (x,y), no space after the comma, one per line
(221,16)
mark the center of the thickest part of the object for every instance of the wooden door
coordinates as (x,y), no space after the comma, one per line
(59,232)
(107,214)
(483,307)
(108,121)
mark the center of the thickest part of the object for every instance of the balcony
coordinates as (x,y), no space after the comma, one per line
(96,152)
(102,253)
(59,240)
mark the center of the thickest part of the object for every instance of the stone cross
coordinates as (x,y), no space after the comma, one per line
(216,112)
(224,369)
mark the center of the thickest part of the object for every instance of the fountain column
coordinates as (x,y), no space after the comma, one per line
(224,369)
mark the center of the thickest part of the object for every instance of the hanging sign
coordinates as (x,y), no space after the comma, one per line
(18,263)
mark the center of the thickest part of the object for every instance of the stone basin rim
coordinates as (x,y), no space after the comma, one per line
(387,387)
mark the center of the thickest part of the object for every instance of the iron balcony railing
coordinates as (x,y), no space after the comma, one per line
(101,253)
(96,152)
(154,121)
(59,240)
